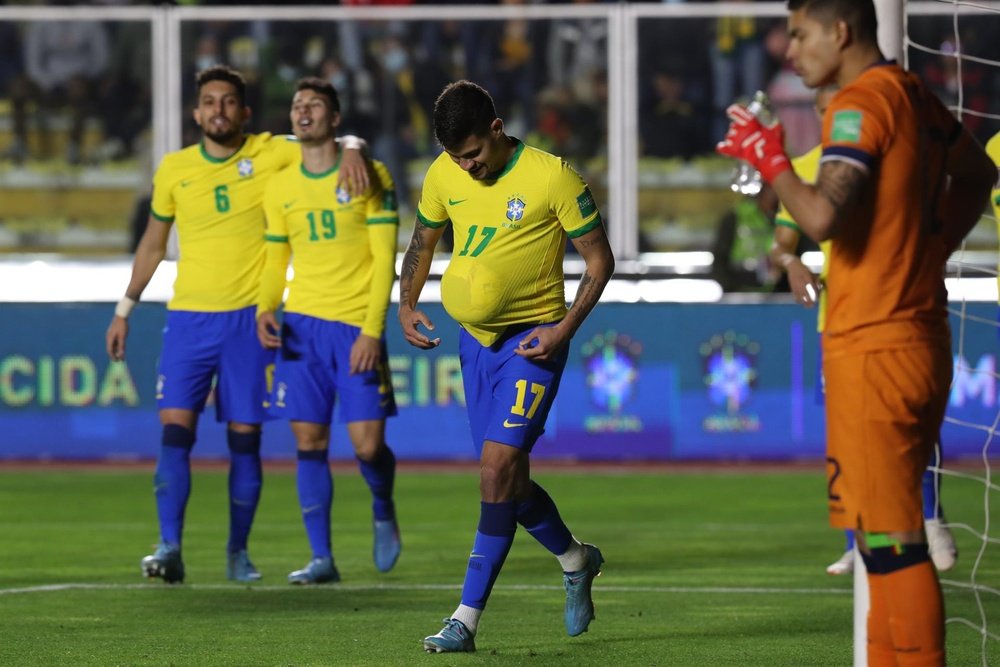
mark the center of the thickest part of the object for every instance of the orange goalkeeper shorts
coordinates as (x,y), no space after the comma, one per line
(884,411)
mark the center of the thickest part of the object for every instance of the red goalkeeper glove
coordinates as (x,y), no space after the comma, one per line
(760,145)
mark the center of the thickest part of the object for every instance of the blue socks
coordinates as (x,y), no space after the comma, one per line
(380,473)
(245,478)
(497,524)
(540,517)
(930,485)
(172,481)
(315,484)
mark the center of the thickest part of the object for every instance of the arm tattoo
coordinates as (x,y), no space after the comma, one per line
(841,184)
(412,259)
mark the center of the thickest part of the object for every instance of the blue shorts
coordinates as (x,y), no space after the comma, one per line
(313,369)
(198,347)
(507,397)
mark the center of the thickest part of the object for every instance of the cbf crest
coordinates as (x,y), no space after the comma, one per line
(245,167)
(343,196)
(515,208)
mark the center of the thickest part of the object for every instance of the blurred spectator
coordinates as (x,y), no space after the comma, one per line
(125,97)
(511,70)
(668,125)
(942,76)
(577,49)
(737,55)
(64,61)
(565,127)
(742,243)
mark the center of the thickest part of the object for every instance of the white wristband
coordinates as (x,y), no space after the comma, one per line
(124,307)
(350,143)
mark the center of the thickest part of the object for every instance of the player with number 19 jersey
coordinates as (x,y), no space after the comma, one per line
(510,238)
(343,252)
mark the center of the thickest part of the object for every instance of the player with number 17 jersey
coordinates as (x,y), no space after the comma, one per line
(506,268)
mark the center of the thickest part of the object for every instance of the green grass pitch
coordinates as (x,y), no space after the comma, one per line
(703,568)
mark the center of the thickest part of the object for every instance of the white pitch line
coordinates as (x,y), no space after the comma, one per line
(47,588)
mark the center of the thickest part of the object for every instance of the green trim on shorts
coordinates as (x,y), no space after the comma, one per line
(882,540)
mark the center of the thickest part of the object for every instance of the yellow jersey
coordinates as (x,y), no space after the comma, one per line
(993,150)
(510,238)
(216,205)
(343,248)
(807,168)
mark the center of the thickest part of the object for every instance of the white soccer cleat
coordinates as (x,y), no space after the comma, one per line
(941,544)
(843,565)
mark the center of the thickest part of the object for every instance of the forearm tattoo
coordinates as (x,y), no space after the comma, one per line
(419,244)
(841,183)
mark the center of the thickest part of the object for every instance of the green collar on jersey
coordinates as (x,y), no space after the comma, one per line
(323,174)
(510,163)
(219,160)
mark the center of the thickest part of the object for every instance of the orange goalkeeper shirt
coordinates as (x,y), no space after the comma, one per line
(887,261)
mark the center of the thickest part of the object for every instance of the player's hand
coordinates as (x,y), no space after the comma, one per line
(353,174)
(541,343)
(750,141)
(365,354)
(804,285)
(267,330)
(114,339)
(410,319)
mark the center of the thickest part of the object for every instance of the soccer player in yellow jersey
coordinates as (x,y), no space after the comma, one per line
(213,192)
(332,343)
(993,150)
(511,208)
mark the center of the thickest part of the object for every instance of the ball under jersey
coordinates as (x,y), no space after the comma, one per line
(343,248)
(993,150)
(887,263)
(807,168)
(510,237)
(216,206)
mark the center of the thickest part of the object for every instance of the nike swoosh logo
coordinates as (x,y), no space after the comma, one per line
(384,402)
(184,184)
(507,424)
(290,203)
(312,508)
(456,202)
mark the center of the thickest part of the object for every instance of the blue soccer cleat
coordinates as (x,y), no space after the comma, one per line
(453,638)
(317,571)
(387,544)
(239,567)
(579,603)
(164,563)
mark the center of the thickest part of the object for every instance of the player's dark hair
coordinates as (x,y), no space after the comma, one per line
(859,15)
(320,87)
(463,109)
(222,73)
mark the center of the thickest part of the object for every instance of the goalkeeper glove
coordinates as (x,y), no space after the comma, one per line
(760,145)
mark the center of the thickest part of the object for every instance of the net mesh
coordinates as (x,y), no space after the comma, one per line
(950,44)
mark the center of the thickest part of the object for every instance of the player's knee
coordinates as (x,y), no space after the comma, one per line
(243,443)
(176,435)
(887,555)
(367,442)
